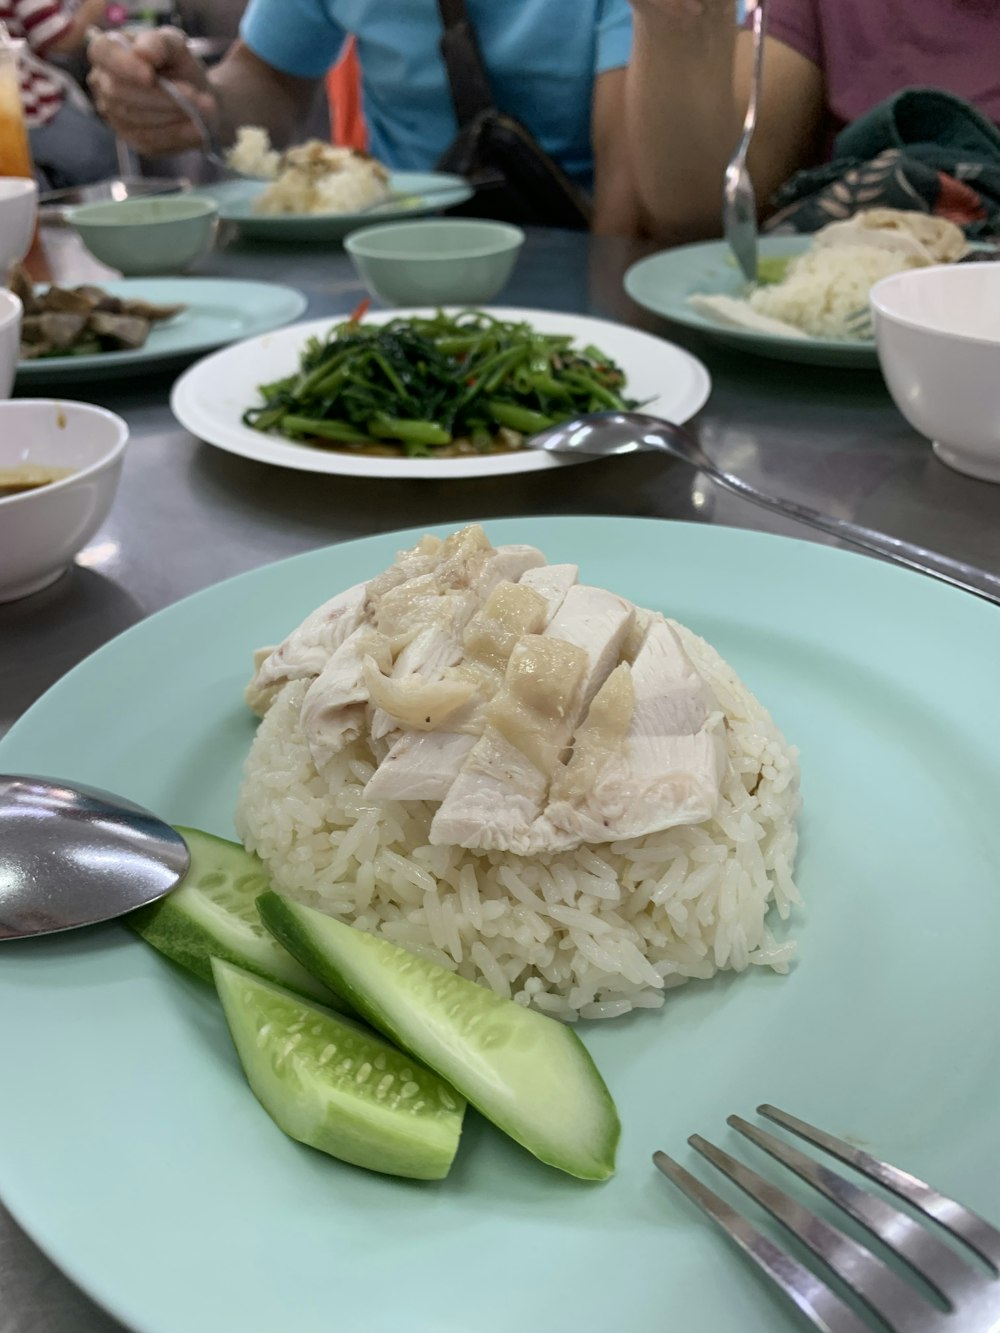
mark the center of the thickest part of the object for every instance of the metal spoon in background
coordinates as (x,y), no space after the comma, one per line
(602,434)
(739,201)
(72,855)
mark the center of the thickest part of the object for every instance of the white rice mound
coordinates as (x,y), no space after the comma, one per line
(252,154)
(828,284)
(591,933)
(312,177)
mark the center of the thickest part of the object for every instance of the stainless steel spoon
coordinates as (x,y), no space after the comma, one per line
(72,855)
(602,434)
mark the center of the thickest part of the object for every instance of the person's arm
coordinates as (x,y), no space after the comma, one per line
(74,36)
(242,89)
(617,211)
(687,90)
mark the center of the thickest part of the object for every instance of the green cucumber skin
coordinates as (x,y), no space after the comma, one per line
(177,929)
(324,1107)
(550,1124)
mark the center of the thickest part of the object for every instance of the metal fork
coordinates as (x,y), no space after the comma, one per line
(739,202)
(971,1296)
(859,323)
(209,145)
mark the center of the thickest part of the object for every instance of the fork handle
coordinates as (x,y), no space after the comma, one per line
(955,572)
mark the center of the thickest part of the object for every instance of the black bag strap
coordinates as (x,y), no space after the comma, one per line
(471,93)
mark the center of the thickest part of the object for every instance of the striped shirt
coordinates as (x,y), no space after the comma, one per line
(39,23)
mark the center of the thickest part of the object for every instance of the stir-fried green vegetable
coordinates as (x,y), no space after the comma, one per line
(423,385)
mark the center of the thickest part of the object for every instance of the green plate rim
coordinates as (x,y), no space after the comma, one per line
(879,587)
(813,351)
(99,365)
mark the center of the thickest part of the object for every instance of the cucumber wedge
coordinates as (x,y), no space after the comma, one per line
(213,912)
(333,1085)
(530,1075)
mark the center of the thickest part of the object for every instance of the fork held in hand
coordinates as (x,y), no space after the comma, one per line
(971,1295)
(739,200)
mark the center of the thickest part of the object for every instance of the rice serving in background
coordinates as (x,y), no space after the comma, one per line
(592,931)
(826,287)
(824,292)
(313,177)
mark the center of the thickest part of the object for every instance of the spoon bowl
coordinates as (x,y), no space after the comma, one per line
(606,434)
(73,855)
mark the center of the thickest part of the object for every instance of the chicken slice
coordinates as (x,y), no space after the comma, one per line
(552,582)
(433,618)
(499,796)
(424,767)
(418,702)
(334,708)
(501,788)
(598,622)
(430,555)
(306,651)
(650,755)
(421,766)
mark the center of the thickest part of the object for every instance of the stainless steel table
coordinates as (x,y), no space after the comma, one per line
(188,515)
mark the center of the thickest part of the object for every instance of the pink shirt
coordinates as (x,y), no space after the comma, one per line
(869,49)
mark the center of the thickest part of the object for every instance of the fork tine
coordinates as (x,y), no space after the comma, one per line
(912,1241)
(882,1289)
(822,1306)
(960,1221)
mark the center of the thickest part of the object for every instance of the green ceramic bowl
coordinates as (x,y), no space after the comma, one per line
(446,262)
(140,237)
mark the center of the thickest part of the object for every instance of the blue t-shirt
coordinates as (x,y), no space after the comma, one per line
(541,55)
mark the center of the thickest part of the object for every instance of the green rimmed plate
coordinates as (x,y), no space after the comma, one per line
(415,194)
(219,311)
(133,1152)
(662,283)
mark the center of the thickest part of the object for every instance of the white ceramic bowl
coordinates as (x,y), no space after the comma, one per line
(42,530)
(938,337)
(18,206)
(10,340)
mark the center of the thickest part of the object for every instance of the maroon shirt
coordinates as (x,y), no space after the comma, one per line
(869,49)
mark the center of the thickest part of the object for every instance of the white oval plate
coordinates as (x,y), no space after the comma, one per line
(209,399)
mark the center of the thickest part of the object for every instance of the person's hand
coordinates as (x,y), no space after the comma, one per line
(123,79)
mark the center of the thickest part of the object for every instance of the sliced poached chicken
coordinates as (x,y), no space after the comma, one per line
(539,713)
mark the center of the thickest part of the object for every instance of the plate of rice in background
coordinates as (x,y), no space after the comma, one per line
(810,303)
(317,192)
(168,1165)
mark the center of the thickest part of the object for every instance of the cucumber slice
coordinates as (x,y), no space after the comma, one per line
(213,912)
(532,1076)
(329,1083)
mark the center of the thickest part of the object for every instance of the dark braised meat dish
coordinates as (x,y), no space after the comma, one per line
(81,321)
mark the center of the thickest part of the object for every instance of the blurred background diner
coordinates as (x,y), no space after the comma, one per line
(560,68)
(864,102)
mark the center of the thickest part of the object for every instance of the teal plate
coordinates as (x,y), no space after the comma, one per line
(134,1153)
(662,283)
(219,311)
(417,194)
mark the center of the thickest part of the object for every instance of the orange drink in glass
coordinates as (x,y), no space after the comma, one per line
(15,155)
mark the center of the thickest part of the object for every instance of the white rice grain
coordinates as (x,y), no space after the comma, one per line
(592,932)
